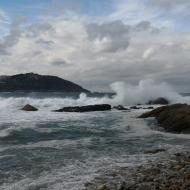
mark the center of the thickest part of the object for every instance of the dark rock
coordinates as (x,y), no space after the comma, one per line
(144,187)
(28,107)
(123,186)
(155,151)
(135,107)
(89,108)
(120,107)
(35,82)
(166,173)
(161,101)
(173,118)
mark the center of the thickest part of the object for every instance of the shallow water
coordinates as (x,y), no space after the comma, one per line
(61,151)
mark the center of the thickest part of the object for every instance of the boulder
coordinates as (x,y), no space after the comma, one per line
(148,108)
(89,108)
(120,107)
(173,118)
(28,107)
(161,101)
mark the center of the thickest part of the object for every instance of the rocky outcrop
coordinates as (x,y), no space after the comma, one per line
(28,107)
(173,118)
(135,107)
(168,173)
(89,108)
(120,107)
(35,82)
(161,101)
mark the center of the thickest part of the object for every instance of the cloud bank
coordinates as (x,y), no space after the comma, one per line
(97,51)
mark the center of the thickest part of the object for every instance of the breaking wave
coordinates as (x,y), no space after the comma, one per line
(125,94)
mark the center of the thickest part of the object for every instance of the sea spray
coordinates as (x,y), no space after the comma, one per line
(125,94)
(142,93)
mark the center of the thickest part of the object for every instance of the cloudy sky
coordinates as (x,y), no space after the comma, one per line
(95,43)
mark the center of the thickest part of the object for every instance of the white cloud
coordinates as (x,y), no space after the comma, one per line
(148,52)
(95,52)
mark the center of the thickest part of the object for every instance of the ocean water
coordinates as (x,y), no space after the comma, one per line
(61,151)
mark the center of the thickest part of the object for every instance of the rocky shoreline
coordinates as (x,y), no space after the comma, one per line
(173,118)
(172,172)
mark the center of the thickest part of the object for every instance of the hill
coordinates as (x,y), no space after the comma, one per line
(36,82)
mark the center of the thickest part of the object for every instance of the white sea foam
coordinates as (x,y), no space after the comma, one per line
(145,91)
(126,94)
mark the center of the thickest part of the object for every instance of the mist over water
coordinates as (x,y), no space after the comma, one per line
(145,91)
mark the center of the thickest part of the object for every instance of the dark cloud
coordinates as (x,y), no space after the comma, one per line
(117,32)
(145,26)
(12,38)
(58,62)
(45,42)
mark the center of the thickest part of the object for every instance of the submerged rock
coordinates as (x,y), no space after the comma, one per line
(135,107)
(28,107)
(120,107)
(173,118)
(161,101)
(89,108)
(154,151)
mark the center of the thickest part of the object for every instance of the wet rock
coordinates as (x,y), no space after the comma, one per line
(155,151)
(173,118)
(120,107)
(28,107)
(144,187)
(161,174)
(161,101)
(135,107)
(123,186)
(103,187)
(89,108)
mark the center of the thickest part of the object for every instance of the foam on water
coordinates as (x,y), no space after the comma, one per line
(49,150)
(126,94)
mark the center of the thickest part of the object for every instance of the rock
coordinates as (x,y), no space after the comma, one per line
(158,174)
(161,101)
(103,187)
(28,107)
(135,107)
(36,82)
(155,151)
(89,108)
(144,187)
(120,107)
(173,118)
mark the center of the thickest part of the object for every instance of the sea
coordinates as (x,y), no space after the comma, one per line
(46,150)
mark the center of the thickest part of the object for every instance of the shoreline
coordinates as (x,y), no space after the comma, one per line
(170,172)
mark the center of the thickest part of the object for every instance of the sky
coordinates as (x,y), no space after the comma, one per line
(95,43)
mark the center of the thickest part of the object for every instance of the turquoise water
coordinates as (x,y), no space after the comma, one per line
(55,151)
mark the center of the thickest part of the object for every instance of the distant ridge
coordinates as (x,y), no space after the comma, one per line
(36,82)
